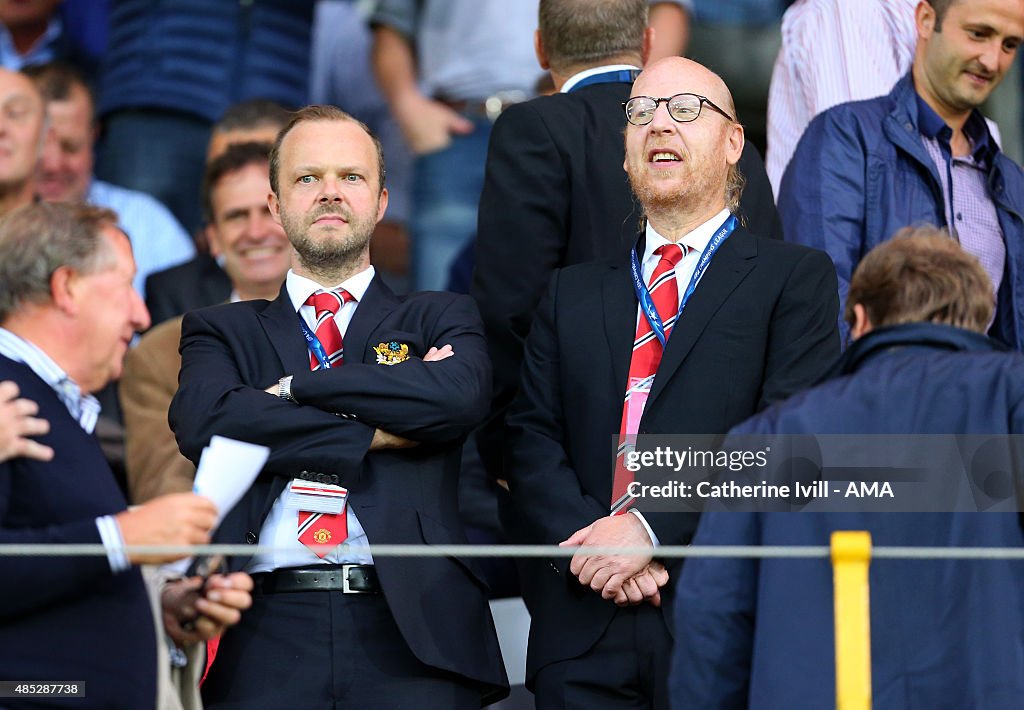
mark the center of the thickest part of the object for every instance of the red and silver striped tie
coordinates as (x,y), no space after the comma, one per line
(319,529)
(643,364)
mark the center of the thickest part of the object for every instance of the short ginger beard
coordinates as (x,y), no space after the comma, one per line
(329,260)
(689,197)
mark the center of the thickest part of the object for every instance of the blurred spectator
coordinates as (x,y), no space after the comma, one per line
(65,174)
(22,115)
(256,256)
(68,311)
(343,76)
(833,51)
(757,634)
(738,40)
(252,121)
(670,20)
(202,281)
(173,67)
(448,69)
(38,31)
(921,154)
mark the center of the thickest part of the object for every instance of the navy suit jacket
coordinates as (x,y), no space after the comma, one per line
(230,353)
(69,618)
(760,327)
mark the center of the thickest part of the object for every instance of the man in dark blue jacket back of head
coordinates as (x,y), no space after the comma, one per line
(758,634)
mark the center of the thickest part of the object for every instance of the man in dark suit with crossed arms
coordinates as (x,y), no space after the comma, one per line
(553,193)
(342,380)
(755,324)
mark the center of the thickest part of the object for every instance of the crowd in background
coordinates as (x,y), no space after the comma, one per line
(166,113)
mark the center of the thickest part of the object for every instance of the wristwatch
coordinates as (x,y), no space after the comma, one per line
(284,388)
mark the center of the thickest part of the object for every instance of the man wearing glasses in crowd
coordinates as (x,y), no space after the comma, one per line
(756,321)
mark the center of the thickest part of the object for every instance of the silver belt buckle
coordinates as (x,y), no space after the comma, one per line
(345,588)
(497,102)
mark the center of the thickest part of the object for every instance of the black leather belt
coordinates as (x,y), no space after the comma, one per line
(491,107)
(347,579)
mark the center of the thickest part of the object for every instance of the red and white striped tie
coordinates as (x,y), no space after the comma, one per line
(647,352)
(319,529)
(327,304)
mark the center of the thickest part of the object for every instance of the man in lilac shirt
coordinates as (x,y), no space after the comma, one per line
(921,154)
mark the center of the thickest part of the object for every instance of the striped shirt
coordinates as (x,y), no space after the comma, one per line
(83,407)
(833,51)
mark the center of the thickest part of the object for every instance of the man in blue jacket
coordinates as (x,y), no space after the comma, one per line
(758,634)
(921,154)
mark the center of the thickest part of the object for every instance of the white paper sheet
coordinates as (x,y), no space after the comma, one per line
(227,468)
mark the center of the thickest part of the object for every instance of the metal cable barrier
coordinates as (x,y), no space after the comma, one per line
(851,553)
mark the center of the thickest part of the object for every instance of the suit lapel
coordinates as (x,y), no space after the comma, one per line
(730,265)
(281,324)
(619,302)
(377,303)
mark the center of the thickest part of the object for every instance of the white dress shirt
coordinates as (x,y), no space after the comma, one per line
(696,240)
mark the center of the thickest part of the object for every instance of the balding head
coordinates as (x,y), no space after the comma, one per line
(22,119)
(676,75)
(683,171)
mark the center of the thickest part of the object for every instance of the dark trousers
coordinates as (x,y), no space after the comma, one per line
(626,668)
(328,650)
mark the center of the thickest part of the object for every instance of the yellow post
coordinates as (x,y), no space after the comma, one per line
(851,555)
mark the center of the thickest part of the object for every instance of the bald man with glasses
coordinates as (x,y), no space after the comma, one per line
(702,325)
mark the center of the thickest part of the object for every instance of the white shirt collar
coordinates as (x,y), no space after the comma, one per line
(580,76)
(697,239)
(300,288)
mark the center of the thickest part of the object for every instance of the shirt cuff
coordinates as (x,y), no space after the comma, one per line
(110,534)
(647,527)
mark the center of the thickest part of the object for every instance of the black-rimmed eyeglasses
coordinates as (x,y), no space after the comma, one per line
(681,107)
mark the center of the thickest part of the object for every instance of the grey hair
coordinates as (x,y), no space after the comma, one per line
(40,238)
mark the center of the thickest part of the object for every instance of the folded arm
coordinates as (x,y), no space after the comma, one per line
(426,401)
(213,398)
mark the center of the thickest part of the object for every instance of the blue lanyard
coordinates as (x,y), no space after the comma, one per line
(626,76)
(314,344)
(647,303)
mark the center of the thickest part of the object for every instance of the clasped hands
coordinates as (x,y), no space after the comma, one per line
(626,579)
